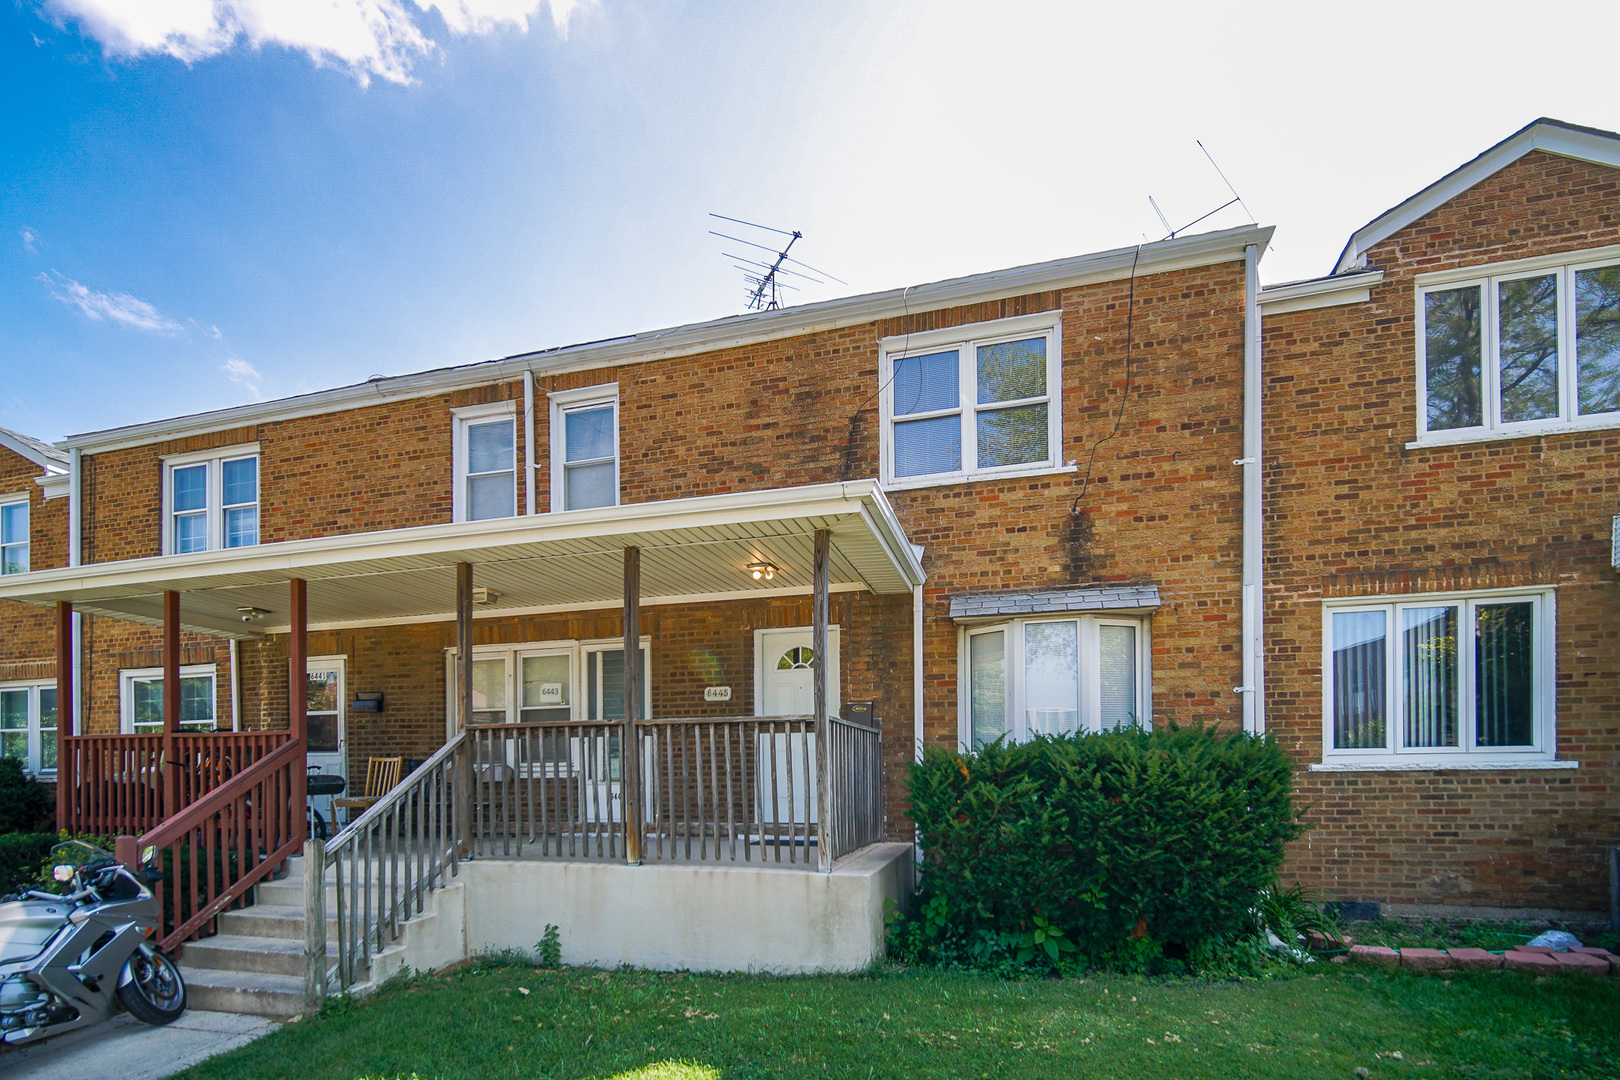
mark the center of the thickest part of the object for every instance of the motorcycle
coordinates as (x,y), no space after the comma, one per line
(64,958)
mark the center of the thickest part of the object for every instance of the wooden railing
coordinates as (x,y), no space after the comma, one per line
(226,842)
(721,789)
(120,782)
(854,787)
(384,864)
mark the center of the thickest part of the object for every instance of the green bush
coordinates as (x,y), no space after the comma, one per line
(21,854)
(25,805)
(1145,851)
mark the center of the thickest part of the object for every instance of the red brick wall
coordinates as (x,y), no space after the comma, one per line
(1351,512)
(28,633)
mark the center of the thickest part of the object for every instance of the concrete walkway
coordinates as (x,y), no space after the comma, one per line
(123,1048)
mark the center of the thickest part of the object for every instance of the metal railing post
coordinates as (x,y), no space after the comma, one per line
(314,924)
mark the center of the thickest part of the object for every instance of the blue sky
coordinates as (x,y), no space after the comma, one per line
(209,202)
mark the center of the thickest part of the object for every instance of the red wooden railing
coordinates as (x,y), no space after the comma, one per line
(227,841)
(119,782)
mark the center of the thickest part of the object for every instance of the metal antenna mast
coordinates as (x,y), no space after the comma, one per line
(765,279)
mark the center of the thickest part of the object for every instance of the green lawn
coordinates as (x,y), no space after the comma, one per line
(501,1020)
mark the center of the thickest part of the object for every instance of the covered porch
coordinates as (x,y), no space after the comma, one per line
(795,790)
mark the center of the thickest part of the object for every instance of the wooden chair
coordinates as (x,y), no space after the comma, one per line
(382,774)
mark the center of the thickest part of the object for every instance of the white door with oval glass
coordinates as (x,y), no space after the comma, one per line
(784,685)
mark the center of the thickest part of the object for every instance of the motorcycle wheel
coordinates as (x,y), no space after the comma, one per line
(154,993)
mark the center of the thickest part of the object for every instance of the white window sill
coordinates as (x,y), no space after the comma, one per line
(946,479)
(1435,764)
(1527,431)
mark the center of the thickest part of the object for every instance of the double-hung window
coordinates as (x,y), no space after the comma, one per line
(1031,677)
(141,699)
(973,401)
(1519,348)
(211,500)
(28,725)
(585,447)
(1439,680)
(14,535)
(485,461)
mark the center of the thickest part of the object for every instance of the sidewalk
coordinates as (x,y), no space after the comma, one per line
(123,1048)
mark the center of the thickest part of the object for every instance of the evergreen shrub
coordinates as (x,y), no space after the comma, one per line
(1145,851)
(25,805)
(21,854)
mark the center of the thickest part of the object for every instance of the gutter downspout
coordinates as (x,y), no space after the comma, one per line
(1253,688)
(236,684)
(75,517)
(917,668)
(528,440)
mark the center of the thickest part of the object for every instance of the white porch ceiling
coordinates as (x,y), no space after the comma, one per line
(690,548)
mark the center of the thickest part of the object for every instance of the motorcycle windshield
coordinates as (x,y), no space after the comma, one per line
(81,854)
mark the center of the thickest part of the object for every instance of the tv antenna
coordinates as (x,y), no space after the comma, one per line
(1170,233)
(764,278)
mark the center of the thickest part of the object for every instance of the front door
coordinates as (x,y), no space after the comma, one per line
(784,685)
(328,718)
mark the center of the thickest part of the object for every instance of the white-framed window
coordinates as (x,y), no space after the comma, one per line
(28,725)
(211,500)
(1445,680)
(485,461)
(14,534)
(140,699)
(1053,676)
(1519,348)
(972,401)
(585,447)
(554,680)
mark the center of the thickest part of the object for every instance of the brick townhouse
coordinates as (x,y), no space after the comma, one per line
(1442,473)
(1060,497)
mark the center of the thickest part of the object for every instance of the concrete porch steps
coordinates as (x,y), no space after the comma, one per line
(255,964)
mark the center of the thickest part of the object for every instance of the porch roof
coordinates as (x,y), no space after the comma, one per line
(691,549)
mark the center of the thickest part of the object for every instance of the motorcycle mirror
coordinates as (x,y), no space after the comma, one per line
(149,855)
(62,872)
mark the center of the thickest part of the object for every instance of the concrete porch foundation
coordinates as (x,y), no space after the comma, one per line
(692,917)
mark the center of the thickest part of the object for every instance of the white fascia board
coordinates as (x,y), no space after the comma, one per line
(55,485)
(1582,144)
(1352,288)
(1181,253)
(50,464)
(293,558)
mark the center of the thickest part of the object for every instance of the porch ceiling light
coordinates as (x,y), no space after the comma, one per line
(252,614)
(762,570)
(484,595)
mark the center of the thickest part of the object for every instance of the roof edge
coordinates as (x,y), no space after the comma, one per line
(1180,253)
(43,454)
(1559,137)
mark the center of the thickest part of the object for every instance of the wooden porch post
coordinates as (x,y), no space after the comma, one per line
(171,701)
(630,744)
(818,650)
(298,702)
(463,790)
(65,779)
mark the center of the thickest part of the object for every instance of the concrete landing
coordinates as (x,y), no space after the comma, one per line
(125,1048)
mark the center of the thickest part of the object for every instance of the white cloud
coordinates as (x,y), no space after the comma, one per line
(364,37)
(117,307)
(30,240)
(242,373)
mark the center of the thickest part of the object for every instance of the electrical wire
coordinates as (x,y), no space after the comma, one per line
(854,417)
(1119,417)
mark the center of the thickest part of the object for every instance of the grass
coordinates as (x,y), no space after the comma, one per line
(500,1019)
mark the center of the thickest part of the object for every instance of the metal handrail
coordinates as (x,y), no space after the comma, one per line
(387,860)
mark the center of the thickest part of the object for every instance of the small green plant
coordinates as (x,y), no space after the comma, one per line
(1046,938)
(1290,911)
(549,948)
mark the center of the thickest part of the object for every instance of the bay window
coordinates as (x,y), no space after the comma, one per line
(1439,679)
(1054,676)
